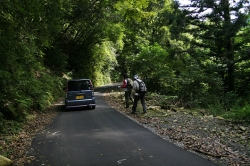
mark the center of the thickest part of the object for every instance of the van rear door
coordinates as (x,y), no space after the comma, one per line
(79,90)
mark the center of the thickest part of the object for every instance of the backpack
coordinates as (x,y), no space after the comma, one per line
(142,87)
(129,83)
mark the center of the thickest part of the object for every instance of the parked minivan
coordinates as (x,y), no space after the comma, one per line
(79,93)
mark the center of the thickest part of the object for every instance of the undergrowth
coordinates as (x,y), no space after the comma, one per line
(234,111)
(239,114)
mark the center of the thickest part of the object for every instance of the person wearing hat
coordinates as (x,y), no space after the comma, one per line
(139,95)
(127,85)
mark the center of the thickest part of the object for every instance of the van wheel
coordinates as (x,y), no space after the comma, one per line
(93,107)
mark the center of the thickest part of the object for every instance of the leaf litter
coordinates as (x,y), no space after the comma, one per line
(17,145)
(222,142)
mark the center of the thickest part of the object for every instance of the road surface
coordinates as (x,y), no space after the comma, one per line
(105,137)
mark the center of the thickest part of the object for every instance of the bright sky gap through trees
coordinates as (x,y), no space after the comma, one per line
(232,2)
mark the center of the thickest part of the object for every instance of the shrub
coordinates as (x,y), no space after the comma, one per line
(239,113)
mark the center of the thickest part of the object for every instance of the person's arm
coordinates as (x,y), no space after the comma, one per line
(135,85)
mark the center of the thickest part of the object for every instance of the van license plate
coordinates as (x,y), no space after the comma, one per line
(80,97)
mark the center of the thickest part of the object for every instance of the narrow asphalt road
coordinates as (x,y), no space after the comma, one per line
(105,137)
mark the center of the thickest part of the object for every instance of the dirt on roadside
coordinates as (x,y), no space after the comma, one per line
(223,142)
(17,145)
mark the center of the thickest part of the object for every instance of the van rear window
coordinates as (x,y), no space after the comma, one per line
(78,85)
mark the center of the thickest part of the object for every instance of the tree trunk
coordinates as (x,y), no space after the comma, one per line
(229,53)
(231,68)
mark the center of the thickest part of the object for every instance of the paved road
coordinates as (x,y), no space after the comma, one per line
(105,137)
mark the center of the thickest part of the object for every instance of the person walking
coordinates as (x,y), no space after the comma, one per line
(140,91)
(128,86)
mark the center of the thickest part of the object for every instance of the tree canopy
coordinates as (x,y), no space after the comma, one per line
(198,52)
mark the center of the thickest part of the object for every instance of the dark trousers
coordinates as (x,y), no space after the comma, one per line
(128,96)
(136,99)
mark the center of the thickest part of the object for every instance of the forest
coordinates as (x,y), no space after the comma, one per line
(196,54)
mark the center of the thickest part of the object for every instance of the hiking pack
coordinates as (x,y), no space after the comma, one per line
(142,87)
(129,83)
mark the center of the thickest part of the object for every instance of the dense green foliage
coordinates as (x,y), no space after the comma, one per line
(25,82)
(201,58)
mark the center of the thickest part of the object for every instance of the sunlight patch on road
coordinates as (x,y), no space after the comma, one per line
(120,161)
(54,134)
